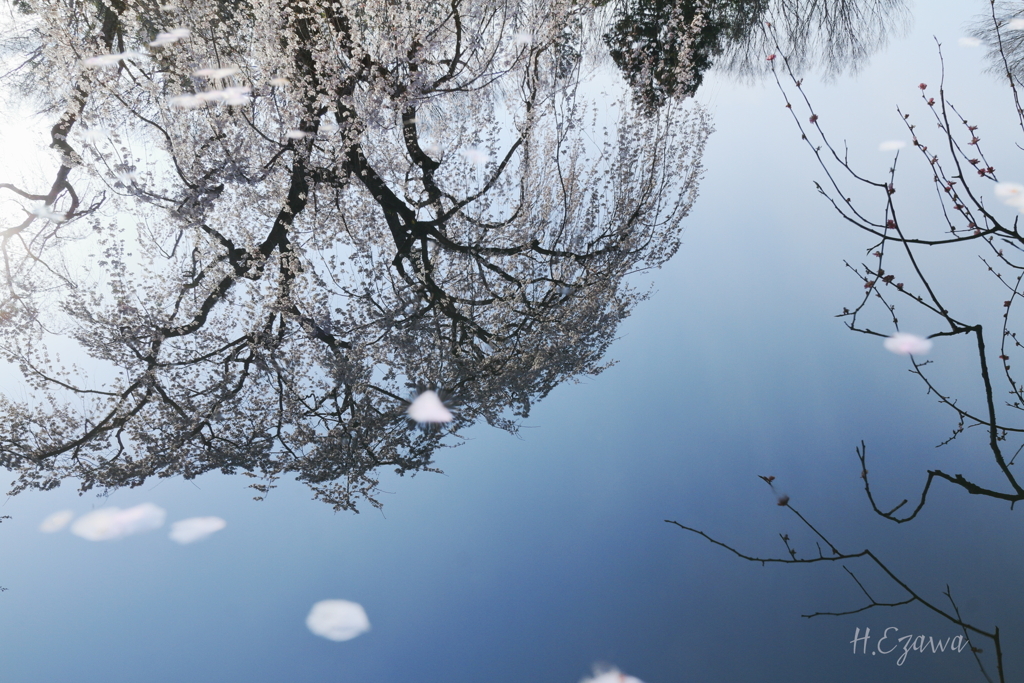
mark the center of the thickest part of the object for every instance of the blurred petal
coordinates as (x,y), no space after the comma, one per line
(56,521)
(969,42)
(427,407)
(1012,194)
(1016,24)
(892,145)
(187,101)
(107,524)
(195,529)
(218,73)
(611,675)
(905,344)
(474,156)
(337,620)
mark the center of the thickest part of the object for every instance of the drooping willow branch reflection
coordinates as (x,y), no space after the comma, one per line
(328,206)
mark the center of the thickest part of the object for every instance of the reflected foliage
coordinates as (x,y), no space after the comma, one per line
(260,265)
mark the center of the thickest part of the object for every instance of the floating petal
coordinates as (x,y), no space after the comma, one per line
(892,145)
(475,156)
(969,42)
(1016,24)
(1012,194)
(611,675)
(46,212)
(280,82)
(427,407)
(295,134)
(56,521)
(187,101)
(337,620)
(905,344)
(218,73)
(195,528)
(172,36)
(100,61)
(107,524)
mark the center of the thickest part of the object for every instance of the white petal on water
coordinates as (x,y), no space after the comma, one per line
(46,212)
(432,148)
(187,101)
(969,42)
(905,344)
(172,36)
(107,524)
(95,135)
(427,407)
(474,156)
(611,675)
(100,61)
(127,177)
(236,94)
(218,73)
(1012,194)
(195,528)
(56,521)
(892,145)
(337,620)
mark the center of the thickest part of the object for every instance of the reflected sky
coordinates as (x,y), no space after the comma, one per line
(539,557)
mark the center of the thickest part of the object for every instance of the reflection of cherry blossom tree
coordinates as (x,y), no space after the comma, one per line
(295,214)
